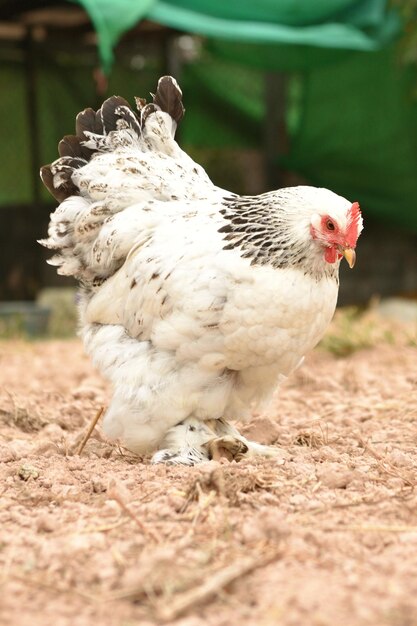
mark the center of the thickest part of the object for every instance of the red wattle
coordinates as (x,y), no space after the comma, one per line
(331,255)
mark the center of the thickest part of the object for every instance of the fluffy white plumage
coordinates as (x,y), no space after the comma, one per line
(195,302)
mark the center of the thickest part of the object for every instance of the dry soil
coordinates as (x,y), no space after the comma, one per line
(324,535)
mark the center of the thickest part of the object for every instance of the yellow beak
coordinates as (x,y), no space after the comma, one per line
(349,255)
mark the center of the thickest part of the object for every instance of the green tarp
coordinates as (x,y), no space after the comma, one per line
(335,24)
(352,125)
(351,114)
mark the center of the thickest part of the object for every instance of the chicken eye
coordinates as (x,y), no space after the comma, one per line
(330,225)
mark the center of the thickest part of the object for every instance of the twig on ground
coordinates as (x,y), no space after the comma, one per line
(101,529)
(90,429)
(209,588)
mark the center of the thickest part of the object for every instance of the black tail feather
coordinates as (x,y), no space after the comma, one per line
(168,98)
(88,120)
(48,181)
(108,113)
(114,114)
(57,177)
(60,191)
(71,146)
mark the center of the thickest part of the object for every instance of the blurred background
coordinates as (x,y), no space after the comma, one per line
(277,93)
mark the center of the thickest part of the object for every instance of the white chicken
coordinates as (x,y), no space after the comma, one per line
(195,302)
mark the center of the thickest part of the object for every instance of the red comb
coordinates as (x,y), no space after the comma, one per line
(353,227)
(355,212)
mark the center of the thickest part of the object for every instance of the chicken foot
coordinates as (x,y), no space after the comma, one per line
(195,441)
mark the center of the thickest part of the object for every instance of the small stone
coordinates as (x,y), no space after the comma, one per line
(28,471)
(53,431)
(98,485)
(45,524)
(333,476)
(84,392)
(262,430)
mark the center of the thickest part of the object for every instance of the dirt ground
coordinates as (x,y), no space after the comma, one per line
(324,535)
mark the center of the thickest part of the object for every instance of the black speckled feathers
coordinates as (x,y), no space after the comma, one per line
(258,231)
